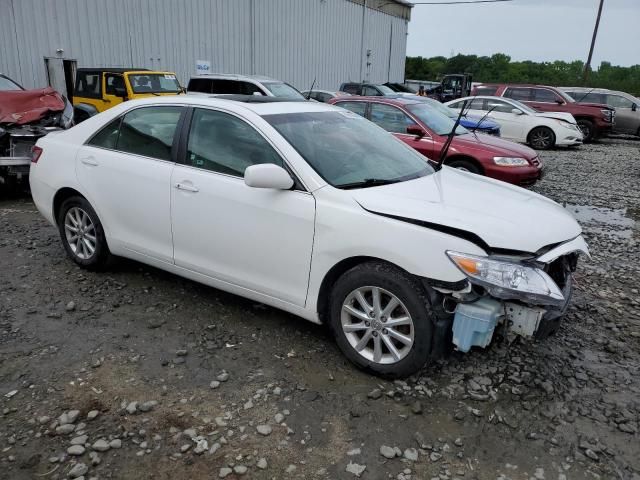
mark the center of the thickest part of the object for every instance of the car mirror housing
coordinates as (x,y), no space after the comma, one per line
(415,130)
(268,175)
(516,111)
(634,107)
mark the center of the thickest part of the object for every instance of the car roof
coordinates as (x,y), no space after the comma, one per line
(260,105)
(400,100)
(237,76)
(522,85)
(114,69)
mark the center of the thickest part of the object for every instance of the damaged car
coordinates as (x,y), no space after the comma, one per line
(314,210)
(25,117)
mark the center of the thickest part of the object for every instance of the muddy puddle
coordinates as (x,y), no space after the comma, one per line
(619,222)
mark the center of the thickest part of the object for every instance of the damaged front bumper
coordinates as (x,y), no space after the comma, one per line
(481,311)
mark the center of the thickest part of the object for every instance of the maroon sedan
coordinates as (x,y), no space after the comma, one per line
(424,128)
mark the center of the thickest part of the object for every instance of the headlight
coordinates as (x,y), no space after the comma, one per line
(508,280)
(510,161)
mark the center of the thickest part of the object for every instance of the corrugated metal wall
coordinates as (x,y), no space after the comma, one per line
(294,40)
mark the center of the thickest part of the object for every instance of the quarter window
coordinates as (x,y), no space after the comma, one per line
(390,118)
(222,143)
(149,131)
(355,107)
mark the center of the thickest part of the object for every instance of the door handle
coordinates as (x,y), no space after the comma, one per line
(89,161)
(186,187)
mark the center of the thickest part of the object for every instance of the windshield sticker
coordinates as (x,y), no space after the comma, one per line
(170,77)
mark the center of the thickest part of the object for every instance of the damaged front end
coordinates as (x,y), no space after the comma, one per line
(526,296)
(25,117)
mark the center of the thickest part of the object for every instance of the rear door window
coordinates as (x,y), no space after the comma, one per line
(522,94)
(356,107)
(353,89)
(149,131)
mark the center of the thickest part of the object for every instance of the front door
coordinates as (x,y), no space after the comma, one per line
(125,171)
(112,83)
(258,239)
(511,124)
(627,119)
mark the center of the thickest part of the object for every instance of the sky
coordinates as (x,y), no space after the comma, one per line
(538,30)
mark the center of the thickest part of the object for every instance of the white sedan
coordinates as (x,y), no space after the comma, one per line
(518,122)
(314,210)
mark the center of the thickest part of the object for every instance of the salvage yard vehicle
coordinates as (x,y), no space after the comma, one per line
(594,119)
(26,116)
(474,123)
(98,89)
(232,84)
(323,95)
(518,122)
(627,106)
(314,210)
(426,129)
(367,89)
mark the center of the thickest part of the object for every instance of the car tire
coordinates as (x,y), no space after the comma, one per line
(587,129)
(82,234)
(406,327)
(541,138)
(464,165)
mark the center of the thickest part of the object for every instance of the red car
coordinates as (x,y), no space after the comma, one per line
(425,129)
(594,119)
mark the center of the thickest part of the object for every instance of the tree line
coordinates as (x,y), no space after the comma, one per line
(499,68)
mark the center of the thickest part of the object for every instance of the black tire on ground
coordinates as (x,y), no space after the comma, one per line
(588,130)
(413,297)
(100,255)
(466,165)
(541,138)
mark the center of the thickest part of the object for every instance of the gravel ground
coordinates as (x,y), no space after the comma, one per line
(135,373)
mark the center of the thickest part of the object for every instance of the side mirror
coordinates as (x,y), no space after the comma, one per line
(559,102)
(516,111)
(415,130)
(634,107)
(267,175)
(258,94)
(120,92)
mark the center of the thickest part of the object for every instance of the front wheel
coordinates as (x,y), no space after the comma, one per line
(542,138)
(381,319)
(587,129)
(465,166)
(82,234)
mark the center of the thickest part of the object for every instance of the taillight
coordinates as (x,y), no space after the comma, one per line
(35,154)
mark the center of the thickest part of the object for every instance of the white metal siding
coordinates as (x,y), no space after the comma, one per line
(293,40)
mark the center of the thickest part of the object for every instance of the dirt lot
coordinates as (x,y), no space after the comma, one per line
(244,390)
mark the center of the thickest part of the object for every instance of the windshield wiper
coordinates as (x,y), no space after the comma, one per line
(367,182)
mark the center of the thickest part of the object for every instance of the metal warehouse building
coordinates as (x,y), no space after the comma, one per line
(297,41)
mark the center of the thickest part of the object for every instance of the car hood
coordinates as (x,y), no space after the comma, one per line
(495,145)
(567,117)
(26,106)
(596,105)
(501,215)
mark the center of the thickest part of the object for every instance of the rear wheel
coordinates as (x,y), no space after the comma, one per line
(82,234)
(381,319)
(465,165)
(542,138)
(587,129)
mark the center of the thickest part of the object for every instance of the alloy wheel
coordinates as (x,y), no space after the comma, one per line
(377,325)
(80,233)
(541,139)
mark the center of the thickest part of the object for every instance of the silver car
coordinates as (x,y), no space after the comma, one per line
(233,84)
(627,106)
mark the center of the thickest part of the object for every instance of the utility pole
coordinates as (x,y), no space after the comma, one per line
(587,67)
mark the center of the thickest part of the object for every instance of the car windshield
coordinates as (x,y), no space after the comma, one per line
(568,98)
(438,122)
(385,90)
(7,84)
(283,90)
(522,106)
(154,83)
(349,151)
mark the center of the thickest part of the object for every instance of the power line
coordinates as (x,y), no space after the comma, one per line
(458,2)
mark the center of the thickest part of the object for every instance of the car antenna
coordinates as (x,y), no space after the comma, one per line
(311,89)
(445,148)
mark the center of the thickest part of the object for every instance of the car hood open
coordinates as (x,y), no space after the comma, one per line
(500,215)
(20,107)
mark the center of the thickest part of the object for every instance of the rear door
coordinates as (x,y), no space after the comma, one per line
(627,120)
(125,171)
(252,238)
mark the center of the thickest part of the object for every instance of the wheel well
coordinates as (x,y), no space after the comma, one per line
(580,117)
(60,196)
(541,126)
(332,276)
(466,159)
